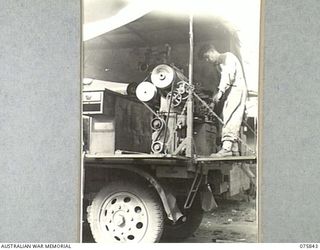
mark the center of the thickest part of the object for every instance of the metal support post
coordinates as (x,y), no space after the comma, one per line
(189,139)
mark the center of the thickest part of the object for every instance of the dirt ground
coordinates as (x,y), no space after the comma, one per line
(233,221)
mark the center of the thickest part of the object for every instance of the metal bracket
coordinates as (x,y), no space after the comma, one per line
(194,188)
(180,147)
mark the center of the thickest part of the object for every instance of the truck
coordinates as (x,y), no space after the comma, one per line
(147,170)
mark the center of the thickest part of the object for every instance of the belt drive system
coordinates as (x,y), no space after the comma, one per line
(173,87)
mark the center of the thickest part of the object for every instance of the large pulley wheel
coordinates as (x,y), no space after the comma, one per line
(126,212)
(163,76)
(146,91)
(187,224)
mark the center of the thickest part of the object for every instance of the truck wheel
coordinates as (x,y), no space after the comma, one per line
(186,225)
(126,212)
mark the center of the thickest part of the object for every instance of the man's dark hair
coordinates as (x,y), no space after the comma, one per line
(204,49)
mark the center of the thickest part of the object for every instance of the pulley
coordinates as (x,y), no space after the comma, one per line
(131,89)
(157,123)
(157,147)
(146,91)
(163,76)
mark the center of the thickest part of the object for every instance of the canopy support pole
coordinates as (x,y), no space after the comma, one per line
(189,139)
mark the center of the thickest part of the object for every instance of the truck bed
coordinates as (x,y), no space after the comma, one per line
(162,159)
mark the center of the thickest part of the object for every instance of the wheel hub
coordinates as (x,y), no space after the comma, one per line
(124,218)
(119,220)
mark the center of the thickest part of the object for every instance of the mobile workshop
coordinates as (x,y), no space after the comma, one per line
(149,128)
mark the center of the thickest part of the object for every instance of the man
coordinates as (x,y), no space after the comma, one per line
(233,88)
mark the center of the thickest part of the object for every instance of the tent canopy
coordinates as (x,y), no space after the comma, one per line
(112,24)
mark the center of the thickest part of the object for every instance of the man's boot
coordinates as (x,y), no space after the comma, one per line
(235,149)
(225,151)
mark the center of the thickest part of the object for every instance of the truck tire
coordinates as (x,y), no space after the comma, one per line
(187,225)
(126,212)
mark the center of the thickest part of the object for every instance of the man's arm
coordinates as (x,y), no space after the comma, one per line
(228,73)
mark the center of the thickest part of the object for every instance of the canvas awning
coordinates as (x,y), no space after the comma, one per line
(131,23)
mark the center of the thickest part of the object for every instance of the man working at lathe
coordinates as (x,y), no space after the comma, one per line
(233,88)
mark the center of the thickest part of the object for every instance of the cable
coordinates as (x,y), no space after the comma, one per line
(208,107)
(220,120)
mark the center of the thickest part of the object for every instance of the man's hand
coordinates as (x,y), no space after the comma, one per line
(211,105)
(216,98)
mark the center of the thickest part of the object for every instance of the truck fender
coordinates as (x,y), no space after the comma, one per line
(168,200)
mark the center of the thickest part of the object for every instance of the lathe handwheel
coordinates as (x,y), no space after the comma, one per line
(176,98)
